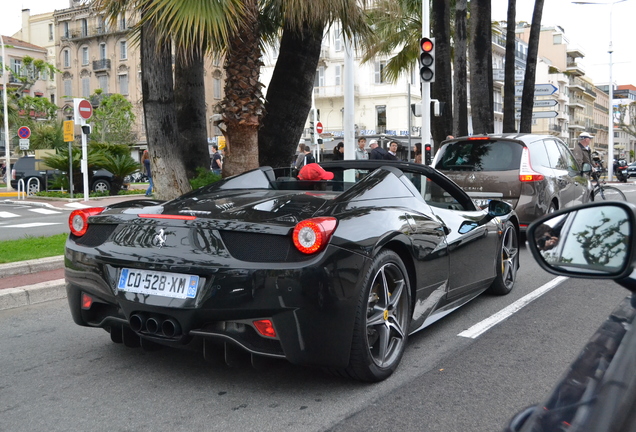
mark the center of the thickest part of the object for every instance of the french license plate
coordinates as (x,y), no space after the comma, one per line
(174,285)
(481,202)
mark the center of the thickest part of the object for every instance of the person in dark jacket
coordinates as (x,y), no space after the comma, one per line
(377,152)
(145,160)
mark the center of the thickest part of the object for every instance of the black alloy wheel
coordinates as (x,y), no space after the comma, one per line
(507,261)
(101,186)
(382,320)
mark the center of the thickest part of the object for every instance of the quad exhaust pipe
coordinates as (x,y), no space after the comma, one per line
(153,325)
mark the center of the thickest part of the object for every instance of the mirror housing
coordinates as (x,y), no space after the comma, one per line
(594,241)
(496,208)
(586,169)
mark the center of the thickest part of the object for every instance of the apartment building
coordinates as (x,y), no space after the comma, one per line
(92,53)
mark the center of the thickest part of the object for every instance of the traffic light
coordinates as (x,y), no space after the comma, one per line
(427,59)
(428,153)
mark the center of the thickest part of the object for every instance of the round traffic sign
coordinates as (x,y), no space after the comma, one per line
(24,132)
(85,109)
(319,127)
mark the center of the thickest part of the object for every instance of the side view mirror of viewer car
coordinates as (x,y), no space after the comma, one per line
(496,208)
(589,241)
(598,391)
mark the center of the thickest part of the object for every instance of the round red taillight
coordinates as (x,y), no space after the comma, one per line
(78,220)
(312,235)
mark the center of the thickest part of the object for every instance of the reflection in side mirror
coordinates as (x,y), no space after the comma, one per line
(584,241)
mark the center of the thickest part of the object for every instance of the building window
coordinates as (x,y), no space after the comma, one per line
(66,58)
(101,25)
(50,32)
(319,81)
(379,71)
(68,92)
(102,51)
(86,87)
(84,55)
(65,29)
(338,71)
(122,21)
(337,38)
(103,83)
(123,51)
(380,118)
(123,84)
(84,25)
(16,66)
(217,88)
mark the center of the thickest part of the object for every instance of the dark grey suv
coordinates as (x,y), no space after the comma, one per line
(27,168)
(536,174)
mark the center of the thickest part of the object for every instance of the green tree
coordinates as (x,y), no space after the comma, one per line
(460,64)
(119,163)
(113,119)
(509,78)
(47,135)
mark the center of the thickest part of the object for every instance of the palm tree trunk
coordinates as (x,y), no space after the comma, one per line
(293,79)
(243,102)
(191,112)
(460,108)
(527,98)
(509,81)
(442,88)
(481,83)
(161,122)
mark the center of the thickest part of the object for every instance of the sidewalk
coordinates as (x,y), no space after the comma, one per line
(30,282)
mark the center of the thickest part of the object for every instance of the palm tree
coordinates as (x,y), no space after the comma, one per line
(442,88)
(120,165)
(481,80)
(509,78)
(460,112)
(527,98)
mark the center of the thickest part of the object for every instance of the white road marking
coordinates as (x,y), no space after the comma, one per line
(31,225)
(8,215)
(44,211)
(485,325)
(76,205)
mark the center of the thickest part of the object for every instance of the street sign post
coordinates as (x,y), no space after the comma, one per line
(24,132)
(24,144)
(539,114)
(69,128)
(544,103)
(539,89)
(85,109)
(319,128)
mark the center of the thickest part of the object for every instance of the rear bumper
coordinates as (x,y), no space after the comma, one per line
(312,308)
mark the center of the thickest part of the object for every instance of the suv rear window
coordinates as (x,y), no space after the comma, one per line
(480,155)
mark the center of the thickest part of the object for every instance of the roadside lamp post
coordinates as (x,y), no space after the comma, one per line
(610,123)
(7,144)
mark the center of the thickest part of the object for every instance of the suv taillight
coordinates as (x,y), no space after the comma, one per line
(526,173)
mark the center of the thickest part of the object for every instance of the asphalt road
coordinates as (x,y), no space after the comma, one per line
(57,376)
(21,220)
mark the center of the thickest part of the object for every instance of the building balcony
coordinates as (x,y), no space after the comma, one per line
(576,87)
(574,68)
(575,52)
(101,65)
(576,104)
(332,91)
(576,125)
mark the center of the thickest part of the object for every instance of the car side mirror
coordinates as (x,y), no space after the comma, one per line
(589,241)
(587,168)
(496,208)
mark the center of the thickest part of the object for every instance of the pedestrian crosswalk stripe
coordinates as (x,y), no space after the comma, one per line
(44,211)
(76,205)
(30,225)
(8,215)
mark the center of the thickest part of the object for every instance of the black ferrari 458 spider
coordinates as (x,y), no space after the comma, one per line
(330,273)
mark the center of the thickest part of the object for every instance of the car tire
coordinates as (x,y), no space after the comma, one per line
(507,261)
(101,186)
(382,319)
(552,208)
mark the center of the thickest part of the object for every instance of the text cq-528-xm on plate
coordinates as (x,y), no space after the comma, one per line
(174,285)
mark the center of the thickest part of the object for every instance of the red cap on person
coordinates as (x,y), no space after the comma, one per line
(314,172)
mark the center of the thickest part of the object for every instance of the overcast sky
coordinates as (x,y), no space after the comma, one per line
(586,26)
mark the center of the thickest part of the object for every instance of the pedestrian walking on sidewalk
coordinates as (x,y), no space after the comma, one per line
(145,159)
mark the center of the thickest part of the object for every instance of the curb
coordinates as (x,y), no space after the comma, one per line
(33,203)
(31,266)
(12,298)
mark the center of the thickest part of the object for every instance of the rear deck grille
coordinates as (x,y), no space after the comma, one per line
(95,235)
(253,247)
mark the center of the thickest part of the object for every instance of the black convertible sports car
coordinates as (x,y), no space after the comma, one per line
(332,273)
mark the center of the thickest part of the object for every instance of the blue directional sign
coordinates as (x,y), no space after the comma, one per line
(539,89)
